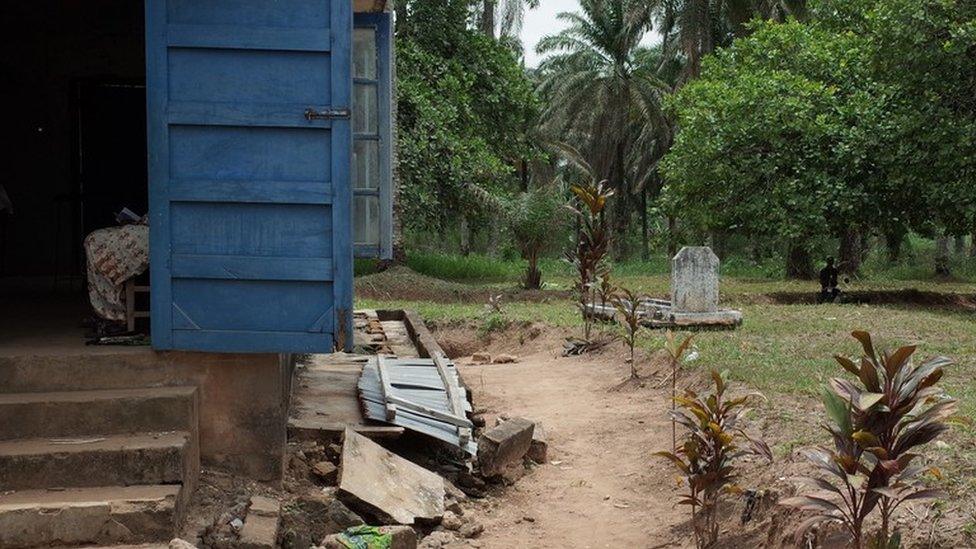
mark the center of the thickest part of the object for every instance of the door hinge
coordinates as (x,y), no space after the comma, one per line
(326,114)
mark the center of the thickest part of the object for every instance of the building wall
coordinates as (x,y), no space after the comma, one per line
(48,46)
(244,398)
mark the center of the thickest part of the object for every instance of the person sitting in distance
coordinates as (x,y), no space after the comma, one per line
(828,283)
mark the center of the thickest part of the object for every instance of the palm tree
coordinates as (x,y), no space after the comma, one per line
(512,14)
(602,96)
(695,28)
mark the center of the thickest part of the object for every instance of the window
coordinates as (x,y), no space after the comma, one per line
(372,177)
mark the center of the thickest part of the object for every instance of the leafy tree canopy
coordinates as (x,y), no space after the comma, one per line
(464,104)
(862,117)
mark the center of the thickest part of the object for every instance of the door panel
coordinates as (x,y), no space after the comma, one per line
(250,199)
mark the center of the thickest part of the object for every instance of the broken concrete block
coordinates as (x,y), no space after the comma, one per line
(453,497)
(438,539)
(504,359)
(504,444)
(481,358)
(338,517)
(402,537)
(472,529)
(326,470)
(451,521)
(388,485)
(260,530)
(179,543)
(539,448)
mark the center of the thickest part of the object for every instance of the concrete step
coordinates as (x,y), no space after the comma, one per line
(84,516)
(113,411)
(110,460)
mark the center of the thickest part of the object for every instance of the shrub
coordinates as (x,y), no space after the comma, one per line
(878,424)
(535,217)
(707,452)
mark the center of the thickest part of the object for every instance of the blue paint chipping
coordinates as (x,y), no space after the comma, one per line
(250,202)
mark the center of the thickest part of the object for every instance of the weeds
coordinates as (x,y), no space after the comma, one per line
(878,424)
(627,304)
(708,452)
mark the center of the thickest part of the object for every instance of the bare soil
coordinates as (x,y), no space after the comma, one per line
(602,487)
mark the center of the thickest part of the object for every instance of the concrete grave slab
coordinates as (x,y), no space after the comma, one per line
(694,280)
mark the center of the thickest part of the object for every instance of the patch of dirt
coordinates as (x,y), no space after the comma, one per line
(403,283)
(603,488)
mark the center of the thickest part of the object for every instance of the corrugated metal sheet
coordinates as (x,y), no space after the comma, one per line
(417,381)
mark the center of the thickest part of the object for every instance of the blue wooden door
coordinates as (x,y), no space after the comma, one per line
(249,161)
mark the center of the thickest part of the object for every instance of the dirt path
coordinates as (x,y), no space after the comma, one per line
(601,488)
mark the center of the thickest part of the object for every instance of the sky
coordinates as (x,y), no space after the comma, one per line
(542,21)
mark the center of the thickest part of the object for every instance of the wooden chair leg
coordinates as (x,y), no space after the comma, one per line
(130,305)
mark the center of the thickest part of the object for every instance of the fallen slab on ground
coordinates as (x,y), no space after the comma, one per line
(386,484)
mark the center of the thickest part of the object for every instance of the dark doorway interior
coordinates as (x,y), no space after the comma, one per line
(74,136)
(73,131)
(111,164)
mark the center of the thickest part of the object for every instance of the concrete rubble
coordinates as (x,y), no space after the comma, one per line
(539,448)
(504,445)
(260,530)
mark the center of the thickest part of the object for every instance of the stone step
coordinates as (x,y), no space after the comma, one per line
(83,516)
(110,460)
(113,411)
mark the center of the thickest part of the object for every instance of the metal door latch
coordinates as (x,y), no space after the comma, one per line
(327,114)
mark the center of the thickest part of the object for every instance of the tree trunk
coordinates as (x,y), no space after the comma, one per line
(672,236)
(960,245)
(798,262)
(621,204)
(494,239)
(400,10)
(972,245)
(893,242)
(645,246)
(465,234)
(850,252)
(488,17)
(533,276)
(942,255)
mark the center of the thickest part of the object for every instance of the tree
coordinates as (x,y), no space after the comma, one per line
(597,89)
(464,103)
(776,140)
(696,28)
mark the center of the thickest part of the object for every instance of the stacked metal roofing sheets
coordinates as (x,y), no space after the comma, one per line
(414,393)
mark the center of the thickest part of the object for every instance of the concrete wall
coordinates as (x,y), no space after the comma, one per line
(243,397)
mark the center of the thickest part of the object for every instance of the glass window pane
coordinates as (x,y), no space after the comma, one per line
(365,117)
(366,220)
(364,53)
(366,164)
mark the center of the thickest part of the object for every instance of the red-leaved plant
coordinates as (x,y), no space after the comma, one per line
(707,453)
(878,424)
(591,247)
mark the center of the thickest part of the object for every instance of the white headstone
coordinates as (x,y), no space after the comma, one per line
(694,280)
